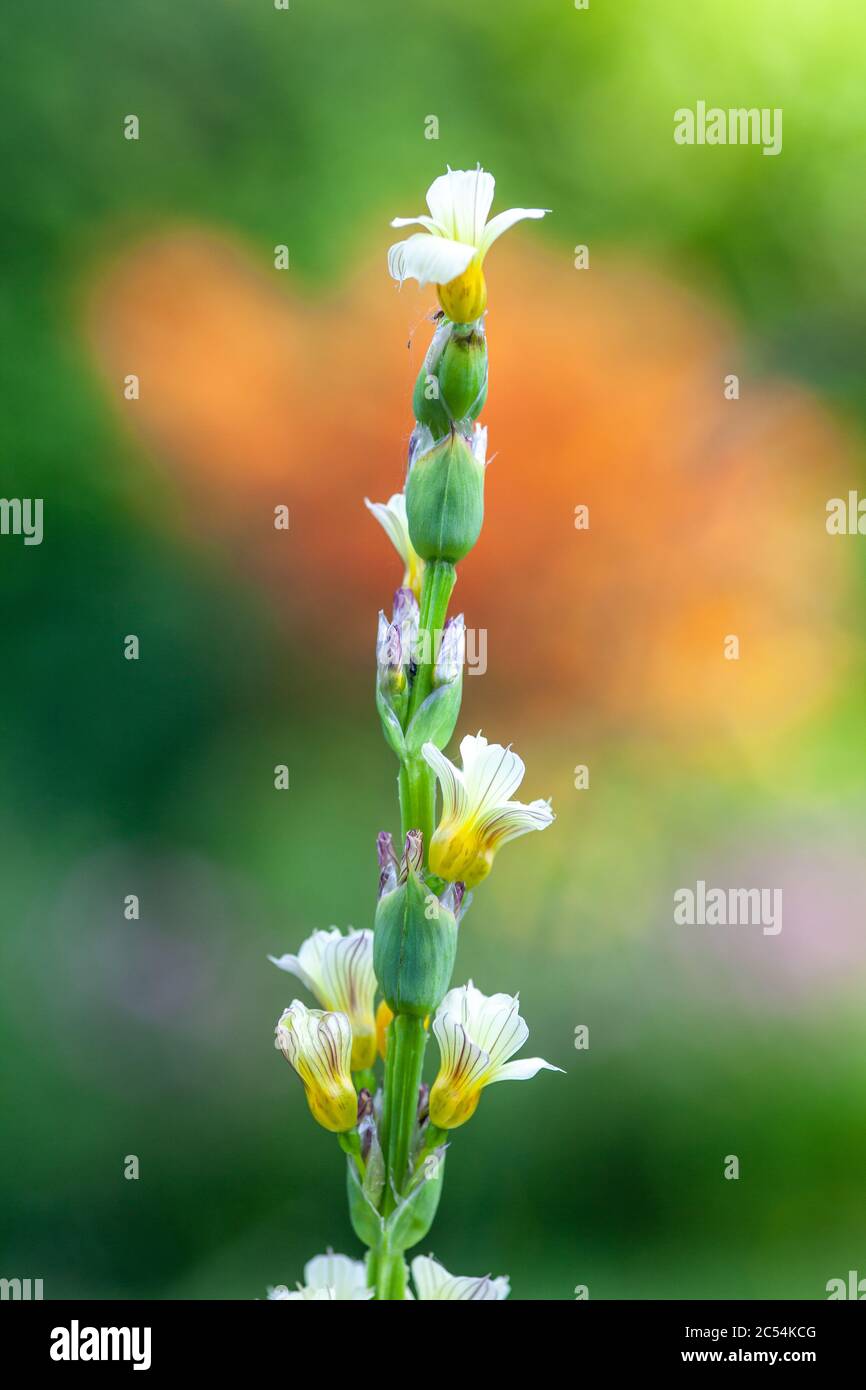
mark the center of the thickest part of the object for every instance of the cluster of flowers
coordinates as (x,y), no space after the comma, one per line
(395,1134)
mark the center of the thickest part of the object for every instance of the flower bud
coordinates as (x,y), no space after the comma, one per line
(389,658)
(452,652)
(462,373)
(406,620)
(427,403)
(445,495)
(415,940)
(388,866)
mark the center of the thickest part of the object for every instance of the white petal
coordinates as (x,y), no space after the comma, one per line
(423,221)
(348,982)
(522,1070)
(462,1062)
(391,516)
(460,201)
(498,1028)
(433,1281)
(428,259)
(501,223)
(492,773)
(479,445)
(293,966)
(454,799)
(344,1279)
(429,1276)
(507,822)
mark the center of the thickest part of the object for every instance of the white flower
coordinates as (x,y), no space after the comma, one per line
(433,1281)
(477,1034)
(319,1047)
(477,815)
(329,1277)
(391,516)
(338,970)
(450,252)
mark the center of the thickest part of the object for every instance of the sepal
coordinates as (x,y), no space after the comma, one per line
(391,726)
(415,940)
(366,1221)
(412,1218)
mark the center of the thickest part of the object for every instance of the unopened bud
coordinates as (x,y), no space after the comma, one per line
(463,373)
(445,496)
(387,862)
(413,950)
(452,651)
(389,658)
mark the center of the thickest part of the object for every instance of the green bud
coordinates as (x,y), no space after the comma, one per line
(427,404)
(415,939)
(463,374)
(427,396)
(445,494)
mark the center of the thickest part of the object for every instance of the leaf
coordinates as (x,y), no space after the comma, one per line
(366,1221)
(434,722)
(413,1218)
(391,727)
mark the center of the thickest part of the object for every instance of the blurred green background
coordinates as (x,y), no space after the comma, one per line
(154,1037)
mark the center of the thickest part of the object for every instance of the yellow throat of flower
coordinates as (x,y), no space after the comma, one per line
(464,299)
(460,855)
(452,1103)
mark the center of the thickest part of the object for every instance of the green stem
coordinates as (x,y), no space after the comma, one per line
(439,579)
(417,782)
(389,1268)
(417,785)
(407,1038)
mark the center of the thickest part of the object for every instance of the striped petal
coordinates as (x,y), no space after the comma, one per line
(509,822)
(455,803)
(492,773)
(433,1282)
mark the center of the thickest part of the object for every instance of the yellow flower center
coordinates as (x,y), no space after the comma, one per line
(334,1108)
(451,1104)
(460,855)
(464,299)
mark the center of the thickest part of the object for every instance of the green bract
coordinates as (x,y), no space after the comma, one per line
(445,497)
(414,945)
(462,374)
